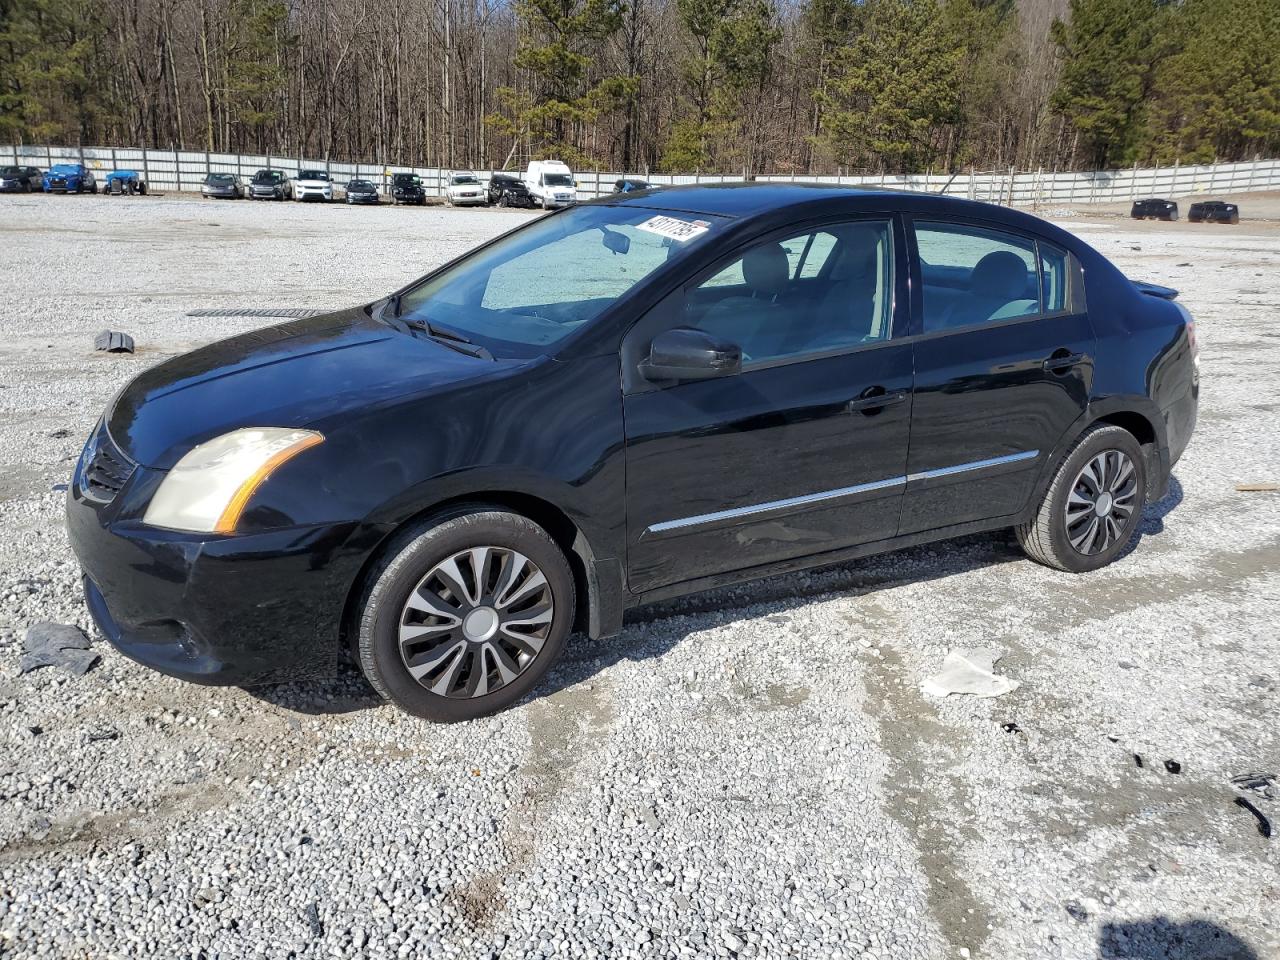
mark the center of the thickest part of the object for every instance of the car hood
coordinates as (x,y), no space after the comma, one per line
(299,374)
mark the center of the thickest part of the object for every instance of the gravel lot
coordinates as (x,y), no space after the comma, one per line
(751,772)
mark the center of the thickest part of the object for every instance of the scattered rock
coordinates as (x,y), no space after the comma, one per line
(1173,766)
(56,645)
(732,940)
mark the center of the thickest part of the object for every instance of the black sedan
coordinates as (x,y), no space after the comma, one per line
(1213,211)
(624,401)
(361,191)
(20,179)
(1154,208)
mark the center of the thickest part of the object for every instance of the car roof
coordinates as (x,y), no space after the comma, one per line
(751,200)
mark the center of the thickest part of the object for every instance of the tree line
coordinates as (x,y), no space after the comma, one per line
(729,86)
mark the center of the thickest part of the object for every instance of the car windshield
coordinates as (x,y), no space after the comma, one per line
(313,175)
(267,176)
(221,178)
(465,178)
(536,286)
(557,180)
(406,178)
(360,185)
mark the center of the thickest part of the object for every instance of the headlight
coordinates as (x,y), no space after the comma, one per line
(207,490)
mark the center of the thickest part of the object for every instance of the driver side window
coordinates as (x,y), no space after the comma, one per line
(812,292)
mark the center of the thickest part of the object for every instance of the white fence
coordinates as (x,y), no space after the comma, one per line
(184,170)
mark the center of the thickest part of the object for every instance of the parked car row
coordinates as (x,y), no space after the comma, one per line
(1203,211)
(545,183)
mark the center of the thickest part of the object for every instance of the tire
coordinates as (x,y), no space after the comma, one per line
(545,205)
(1048,537)
(503,201)
(409,570)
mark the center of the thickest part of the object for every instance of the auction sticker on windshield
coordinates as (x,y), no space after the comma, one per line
(675,228)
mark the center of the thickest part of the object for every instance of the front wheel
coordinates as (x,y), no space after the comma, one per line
(465,615)
(1092,508)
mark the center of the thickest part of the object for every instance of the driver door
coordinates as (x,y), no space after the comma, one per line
(805,449)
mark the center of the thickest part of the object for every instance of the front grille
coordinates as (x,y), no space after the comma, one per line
(106,469)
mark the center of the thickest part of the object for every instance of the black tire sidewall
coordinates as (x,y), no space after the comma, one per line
(1114,438)
(407,562)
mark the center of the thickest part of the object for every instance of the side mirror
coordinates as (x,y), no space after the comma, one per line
(688,354)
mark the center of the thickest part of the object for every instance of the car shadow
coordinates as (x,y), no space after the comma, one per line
(650,631)
(1163,939)
(1153,516)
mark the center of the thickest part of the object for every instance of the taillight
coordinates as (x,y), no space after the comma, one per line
(1193,342)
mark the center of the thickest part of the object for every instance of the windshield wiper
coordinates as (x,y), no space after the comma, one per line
(448,338)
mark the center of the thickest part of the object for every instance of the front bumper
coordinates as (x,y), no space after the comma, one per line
(478,200)
(305,193)
(362,198)
(11,186)
(241,610)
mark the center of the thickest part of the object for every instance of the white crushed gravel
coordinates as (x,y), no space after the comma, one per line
(753,772)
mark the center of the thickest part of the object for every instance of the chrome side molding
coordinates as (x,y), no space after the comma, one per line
(791,504)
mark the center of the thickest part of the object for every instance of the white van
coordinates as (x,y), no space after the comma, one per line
(550,184)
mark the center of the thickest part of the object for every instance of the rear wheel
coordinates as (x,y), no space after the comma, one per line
(465,615)
(1093,506)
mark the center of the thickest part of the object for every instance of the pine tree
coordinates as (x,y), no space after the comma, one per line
(1109,50)
(1218,94)
(556,50)
(51,70)
(732,47)
(894,88)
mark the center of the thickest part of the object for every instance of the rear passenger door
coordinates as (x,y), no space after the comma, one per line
(1004,356)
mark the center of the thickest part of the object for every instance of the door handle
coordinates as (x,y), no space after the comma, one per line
(1061,361)
(874,399)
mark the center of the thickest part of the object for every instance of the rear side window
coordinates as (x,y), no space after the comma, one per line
(1054,269)
(972,275)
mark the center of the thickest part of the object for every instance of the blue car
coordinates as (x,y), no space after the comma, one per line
(69,178)
(119,182)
